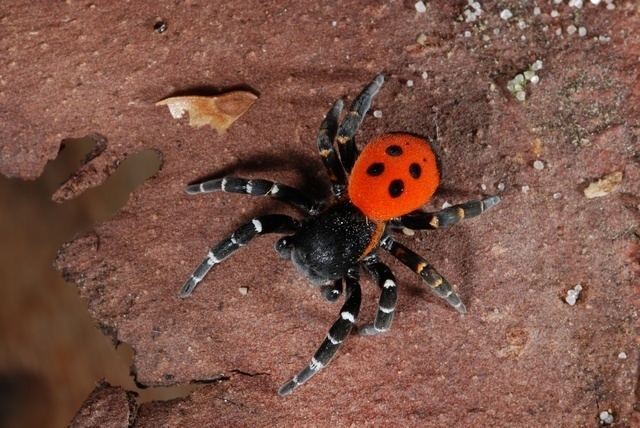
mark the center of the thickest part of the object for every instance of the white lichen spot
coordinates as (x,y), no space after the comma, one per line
(554,13)
(446,205)
(243,290)
(582,31)
(606,417)
(377,114)
(557,195)
(424,75)
(525,189)
(573,294)
(409,83)
(538,165)
(501,186)
(472,11)
(420,7)
(596,2)
(622,355)
(536,11)
(506,14)
(518,84)
(571,29)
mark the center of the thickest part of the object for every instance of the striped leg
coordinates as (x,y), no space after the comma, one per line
(351,123)
(325,140)
(257,187)
(331,293)
(388,298)
(436,282)
(337,334)
(275,223)
(448,216)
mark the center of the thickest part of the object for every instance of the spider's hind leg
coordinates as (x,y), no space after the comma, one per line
(336,335)
(448,216)
(437,283)
(274,223)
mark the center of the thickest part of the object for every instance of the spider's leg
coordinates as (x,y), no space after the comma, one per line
(274,223)
(388,297)
(337,334)
(420,266)
(331,293)
(257,187)
(448,216)
(325,140)
(351,123)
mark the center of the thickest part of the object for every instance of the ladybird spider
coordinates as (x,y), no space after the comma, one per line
(393,176)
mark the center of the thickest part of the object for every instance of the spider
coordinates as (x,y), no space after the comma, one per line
(375,193)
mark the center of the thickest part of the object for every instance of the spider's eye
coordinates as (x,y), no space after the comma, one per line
(284,247)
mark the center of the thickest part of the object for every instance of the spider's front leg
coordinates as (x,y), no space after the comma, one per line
(351,122)
(326,137)
(337,334)
(420,266)
(275,223)
(257,187)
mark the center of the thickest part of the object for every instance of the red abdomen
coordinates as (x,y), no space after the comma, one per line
(394,175)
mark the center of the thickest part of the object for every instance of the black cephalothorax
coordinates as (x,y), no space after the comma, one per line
(327,245)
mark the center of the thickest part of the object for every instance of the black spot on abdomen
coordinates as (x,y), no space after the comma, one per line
(394,150)
(375,169)
(396,188)
(415,171)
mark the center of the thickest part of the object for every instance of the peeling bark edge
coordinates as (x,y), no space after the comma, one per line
(107,405)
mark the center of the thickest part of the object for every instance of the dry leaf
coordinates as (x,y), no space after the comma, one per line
(218,111)
(536,147)
(604,186)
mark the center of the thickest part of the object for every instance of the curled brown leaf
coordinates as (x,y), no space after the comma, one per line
(603,186)
(219,111)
